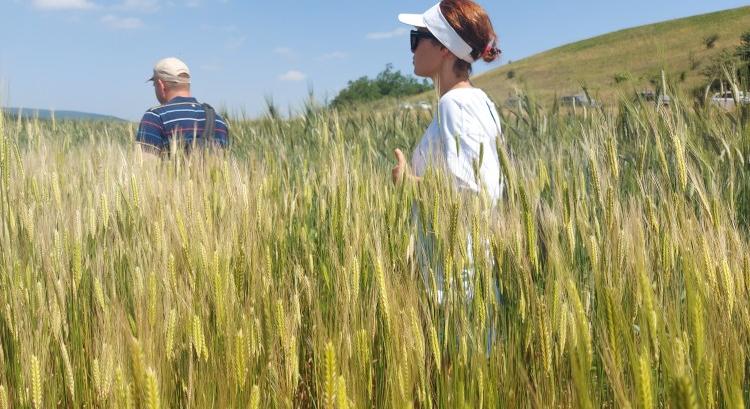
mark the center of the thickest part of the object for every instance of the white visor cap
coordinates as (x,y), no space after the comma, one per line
(434,20)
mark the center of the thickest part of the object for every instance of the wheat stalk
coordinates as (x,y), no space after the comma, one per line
(255,398)
(152,400)
(4,404)
(199,342)
(330,377)
(36,383)
(69,379)
(170,337)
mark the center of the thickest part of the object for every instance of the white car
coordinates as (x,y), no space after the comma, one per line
(727,100)
(651,96)
(424,106)
(581,100)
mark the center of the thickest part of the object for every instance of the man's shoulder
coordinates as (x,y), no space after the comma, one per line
(173,105)
(154,110)
(219,118)
(151,113)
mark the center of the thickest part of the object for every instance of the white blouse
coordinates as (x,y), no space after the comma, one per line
(466,121)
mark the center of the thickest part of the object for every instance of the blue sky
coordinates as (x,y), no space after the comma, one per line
(94,55)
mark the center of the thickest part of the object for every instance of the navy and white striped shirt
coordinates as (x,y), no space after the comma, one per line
(181,117)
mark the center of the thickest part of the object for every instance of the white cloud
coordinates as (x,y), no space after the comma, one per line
(63,4)
(143,6)
(148,6)
(234,37)
(336,55)
(284,52)
(211,67)
(232,29)
(388,34)
(235,42)
(293,75)
(122,23)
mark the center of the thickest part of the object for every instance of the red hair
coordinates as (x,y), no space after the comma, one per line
(472,23)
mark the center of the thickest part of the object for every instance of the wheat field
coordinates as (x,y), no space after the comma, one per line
(614,272)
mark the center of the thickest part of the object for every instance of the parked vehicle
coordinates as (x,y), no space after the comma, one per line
(651,96)
(579,100)
(421,105)
(727,99)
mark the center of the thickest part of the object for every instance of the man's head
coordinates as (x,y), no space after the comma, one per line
(171,78)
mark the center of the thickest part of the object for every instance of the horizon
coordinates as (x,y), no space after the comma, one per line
(230,59)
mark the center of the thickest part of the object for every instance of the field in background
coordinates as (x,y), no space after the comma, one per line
(284,273)
(635,55)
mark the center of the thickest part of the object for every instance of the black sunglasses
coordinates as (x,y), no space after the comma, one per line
(417,35)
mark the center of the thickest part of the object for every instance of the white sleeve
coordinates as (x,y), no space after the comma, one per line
(461,148)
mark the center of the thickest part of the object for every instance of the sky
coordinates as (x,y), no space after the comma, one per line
(95,55)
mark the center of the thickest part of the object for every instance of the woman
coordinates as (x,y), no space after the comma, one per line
(461,140)
(449,38)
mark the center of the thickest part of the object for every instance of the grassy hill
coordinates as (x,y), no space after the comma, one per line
(46,114)
(639,53)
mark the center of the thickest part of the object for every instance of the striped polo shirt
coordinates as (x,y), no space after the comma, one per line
(181,117)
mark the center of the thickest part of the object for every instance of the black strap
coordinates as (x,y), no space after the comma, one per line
(210,124)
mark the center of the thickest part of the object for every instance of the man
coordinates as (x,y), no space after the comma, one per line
(180,118)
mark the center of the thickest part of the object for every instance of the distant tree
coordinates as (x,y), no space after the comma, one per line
(511,74)
(728,69)
(714,68)
(743,54)
(388,83)
(710,41)
(715,72)
(743,50)
(361,89)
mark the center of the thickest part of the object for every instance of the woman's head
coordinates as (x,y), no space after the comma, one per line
(461,34)
(473,25)
(429,53)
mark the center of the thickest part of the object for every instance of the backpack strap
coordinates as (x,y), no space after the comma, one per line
(210,124)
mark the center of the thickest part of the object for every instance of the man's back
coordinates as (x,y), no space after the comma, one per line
(183,118)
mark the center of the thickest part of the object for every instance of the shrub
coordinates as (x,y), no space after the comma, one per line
(621,77)
(389,83)
(710,41)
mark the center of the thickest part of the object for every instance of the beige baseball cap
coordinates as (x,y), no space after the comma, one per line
(171,70)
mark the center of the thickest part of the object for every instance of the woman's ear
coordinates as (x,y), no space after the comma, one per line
(445,52)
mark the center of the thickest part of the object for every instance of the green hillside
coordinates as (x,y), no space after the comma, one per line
(638,54)
(46,114)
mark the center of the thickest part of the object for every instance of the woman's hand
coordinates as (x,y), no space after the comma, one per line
(398,171)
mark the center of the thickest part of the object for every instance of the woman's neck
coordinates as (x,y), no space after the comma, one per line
(447,80)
